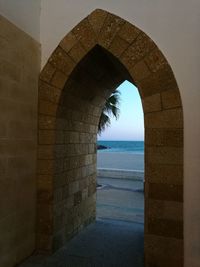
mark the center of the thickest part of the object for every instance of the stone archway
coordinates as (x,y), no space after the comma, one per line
(98,54)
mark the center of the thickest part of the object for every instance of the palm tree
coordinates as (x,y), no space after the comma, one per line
(111,107)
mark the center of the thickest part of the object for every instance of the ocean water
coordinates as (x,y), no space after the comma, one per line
(135,147)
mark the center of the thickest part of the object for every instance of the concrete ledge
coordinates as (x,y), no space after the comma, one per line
(136,175)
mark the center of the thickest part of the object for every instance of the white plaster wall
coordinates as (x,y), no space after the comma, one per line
(174,26)
(23,13)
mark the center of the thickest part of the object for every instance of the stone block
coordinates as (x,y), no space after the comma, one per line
(48,92)
(137,51)
(59,151)
(47,73)
(68,42)
(165,192)
(164,155)
(74,137)
(164,173)
(111,26)
(45,183)
(163,251)
(47,137)
(85,34)
(171,99)
(140,71)
(96,19)
(165,210)
(77,198)
(61,61)
(152,103)
(159,81)
(47,122)
(45,152)
(73,188)
(46,166)
(172,118)
(128,32)
(77,52)
(164,137)
(156,60)
(47,108)
(163,227)
(44,242)
(59,79)
(118,46)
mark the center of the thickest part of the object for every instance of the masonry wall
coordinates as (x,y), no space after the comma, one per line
(19,68)
(174,27)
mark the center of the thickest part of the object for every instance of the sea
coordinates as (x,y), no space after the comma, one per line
(135,147)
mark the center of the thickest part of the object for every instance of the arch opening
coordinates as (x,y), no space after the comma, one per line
(82,72)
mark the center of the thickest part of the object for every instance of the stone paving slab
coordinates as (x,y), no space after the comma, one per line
(105,243)
(116,239)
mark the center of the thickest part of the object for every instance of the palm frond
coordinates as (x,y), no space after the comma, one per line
(111,108)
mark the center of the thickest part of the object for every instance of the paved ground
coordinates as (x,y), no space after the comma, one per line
(120,199)
(114,240)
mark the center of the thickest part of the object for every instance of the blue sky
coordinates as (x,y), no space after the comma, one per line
(130,125)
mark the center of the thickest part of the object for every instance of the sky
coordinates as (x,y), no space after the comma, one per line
(130,125)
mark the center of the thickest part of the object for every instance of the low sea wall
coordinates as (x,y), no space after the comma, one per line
(136,175)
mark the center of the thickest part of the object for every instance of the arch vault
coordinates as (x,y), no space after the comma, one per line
(89,63)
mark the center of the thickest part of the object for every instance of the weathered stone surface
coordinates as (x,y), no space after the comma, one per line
(159,251)
(160,81)
(46,166)
(171,99)
(96,19)
(168,228)
(68,42)
(165,192)
(152,103)
(48,92)
(164,155)
(85,34)
(137,51)
(45,152)
(77,52)
(172,118)
(47,73)
(61,61)
(128,32)
(164,173)
(140,71)
(110,27)
(165,210)
(47,108)
(118,46)
(59,79)
(164,137)
(47,137)
(46,122)
(156,60)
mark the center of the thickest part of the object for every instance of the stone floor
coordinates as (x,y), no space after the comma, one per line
(114,240)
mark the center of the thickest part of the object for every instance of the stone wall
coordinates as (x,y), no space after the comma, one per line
(19,69)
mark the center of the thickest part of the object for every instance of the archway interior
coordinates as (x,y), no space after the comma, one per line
(93,80)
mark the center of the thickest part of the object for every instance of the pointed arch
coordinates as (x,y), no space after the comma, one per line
(66,129)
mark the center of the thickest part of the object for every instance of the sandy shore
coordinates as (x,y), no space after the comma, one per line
(117,160)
